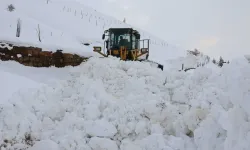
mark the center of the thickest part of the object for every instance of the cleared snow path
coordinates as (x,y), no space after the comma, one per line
(111,104)
(41,75)
(11,83)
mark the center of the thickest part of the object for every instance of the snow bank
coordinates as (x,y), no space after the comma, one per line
(111,104)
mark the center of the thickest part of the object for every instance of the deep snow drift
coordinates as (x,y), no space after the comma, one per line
(111,104)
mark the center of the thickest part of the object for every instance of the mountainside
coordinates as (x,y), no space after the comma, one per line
(67,25)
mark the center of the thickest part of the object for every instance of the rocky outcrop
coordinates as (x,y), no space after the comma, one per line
(36,57)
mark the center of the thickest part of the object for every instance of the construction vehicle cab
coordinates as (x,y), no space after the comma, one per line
(123,43)
(122,37)
(126,44)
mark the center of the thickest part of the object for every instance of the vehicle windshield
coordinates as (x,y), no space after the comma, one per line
(118,39)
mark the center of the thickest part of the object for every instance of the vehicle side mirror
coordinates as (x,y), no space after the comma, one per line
(103,36)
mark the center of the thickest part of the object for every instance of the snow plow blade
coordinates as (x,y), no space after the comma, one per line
(160,66)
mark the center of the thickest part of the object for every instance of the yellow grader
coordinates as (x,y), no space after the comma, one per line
(125,43)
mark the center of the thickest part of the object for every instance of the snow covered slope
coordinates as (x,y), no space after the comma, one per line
(108,104)
(67,25)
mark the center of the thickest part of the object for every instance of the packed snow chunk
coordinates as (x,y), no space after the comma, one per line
(238,129)
(97,143)
(153,112)
(100,128)
(91,112)
(210,131)
(189,122)
(45,145)
(141,129)
(55,112)
(129,145)
(126,129)
(153,142)
(194,117)
(16,147)
(156,129)
(48,124)
(180,143)
(72,141)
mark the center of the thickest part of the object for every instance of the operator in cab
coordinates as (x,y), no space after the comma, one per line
(123,42)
